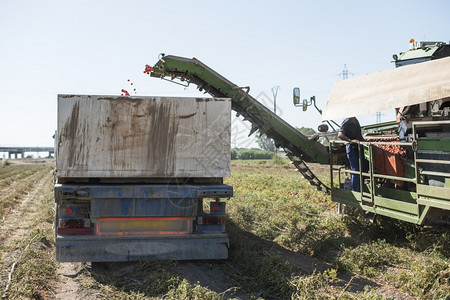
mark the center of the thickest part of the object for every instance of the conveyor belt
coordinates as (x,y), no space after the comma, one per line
(298,147)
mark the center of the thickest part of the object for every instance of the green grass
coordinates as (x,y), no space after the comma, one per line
(275,204)
(147,279)
(327,285)
(273,211)
(185,290)
(419,274)
(257,269)
(35,270)
(10,173)
(278,205)
(16,181)
(273,208)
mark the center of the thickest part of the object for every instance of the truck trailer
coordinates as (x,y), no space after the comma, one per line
(132,176)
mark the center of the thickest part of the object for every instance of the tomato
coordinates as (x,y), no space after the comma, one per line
(148,69)
(394,149)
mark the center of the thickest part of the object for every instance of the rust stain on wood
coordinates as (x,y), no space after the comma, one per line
(69,133)
(162,137)
(187,116)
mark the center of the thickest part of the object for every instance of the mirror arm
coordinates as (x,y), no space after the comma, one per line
(313,100)
(307,103)
(339,126)
(331,125)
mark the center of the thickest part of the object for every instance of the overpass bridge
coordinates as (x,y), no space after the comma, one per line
(21,150)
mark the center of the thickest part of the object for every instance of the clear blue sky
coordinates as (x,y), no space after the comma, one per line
(93,47)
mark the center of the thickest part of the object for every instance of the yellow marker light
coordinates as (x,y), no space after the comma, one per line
(143,226)
(411,40)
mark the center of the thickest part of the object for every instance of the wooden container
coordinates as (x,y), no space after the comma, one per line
(142,137)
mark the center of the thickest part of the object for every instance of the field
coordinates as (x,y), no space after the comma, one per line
(287,242)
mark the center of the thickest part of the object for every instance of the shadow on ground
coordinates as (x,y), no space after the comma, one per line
(255,268)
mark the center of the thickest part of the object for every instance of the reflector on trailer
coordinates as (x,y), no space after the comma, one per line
(217,208)
(143,226)
(69,211)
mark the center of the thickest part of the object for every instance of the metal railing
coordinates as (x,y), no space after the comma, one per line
(371,174)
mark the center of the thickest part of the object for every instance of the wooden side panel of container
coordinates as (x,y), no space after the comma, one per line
(140,137)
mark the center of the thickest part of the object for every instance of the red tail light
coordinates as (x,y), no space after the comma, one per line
(76,231)
(210,220)
(75,226)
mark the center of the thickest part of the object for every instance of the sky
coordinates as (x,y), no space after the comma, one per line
(93,47)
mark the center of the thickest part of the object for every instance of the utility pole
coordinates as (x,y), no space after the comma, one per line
(378,114)
(344,73)
(275,93)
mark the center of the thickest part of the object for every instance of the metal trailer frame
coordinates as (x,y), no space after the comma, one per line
(415,207)
(129,222)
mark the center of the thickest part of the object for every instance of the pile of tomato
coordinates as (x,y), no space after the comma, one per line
(394,149)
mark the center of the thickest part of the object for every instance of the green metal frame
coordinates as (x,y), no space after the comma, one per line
(408,206)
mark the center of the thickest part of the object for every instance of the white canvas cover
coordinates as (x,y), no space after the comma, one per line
(394,88)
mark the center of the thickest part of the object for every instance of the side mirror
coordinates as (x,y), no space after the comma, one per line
(323,128)
(305,104)
(296,96)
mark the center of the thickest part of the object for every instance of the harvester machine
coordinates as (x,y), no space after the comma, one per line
(408,172)
(408,160)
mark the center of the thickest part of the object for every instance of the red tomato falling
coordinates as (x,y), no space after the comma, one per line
(125,92)
(148,69)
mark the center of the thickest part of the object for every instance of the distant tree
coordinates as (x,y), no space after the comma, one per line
(265,143)
(309,132)
(234,154)
(255,154)
(306,131)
